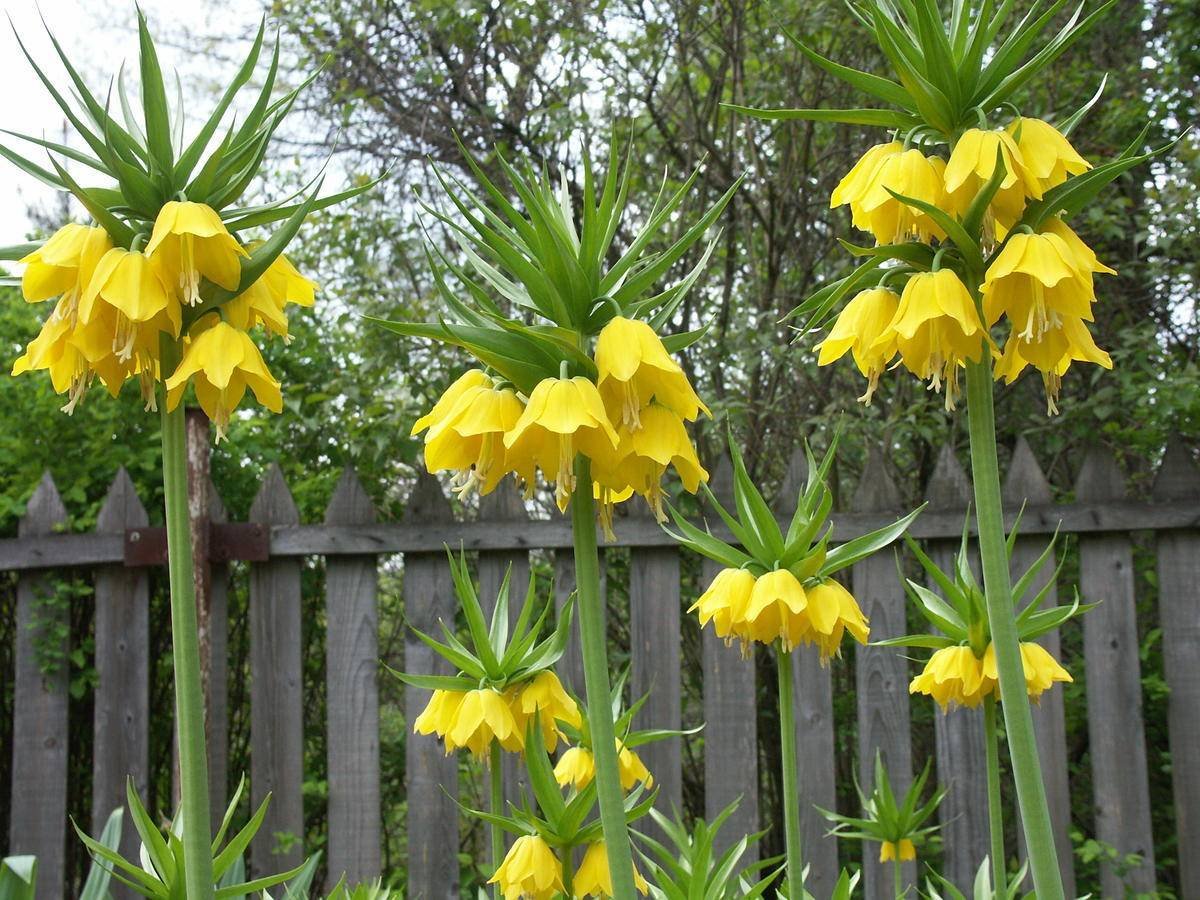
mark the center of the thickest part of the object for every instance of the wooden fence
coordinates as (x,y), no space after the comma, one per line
(351,542)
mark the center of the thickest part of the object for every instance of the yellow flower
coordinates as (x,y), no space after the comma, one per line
(65,263)
(439,713)
(887,851)
(856,185)
(544,696)
(530,871)
(936,328)
(469,438)
(576,767)
(860,325)
(469,379)
(193,241)
(593,879)
(484,715)
(265,300)
(563,416)
(642,457)
(971,164)
(1035,281)
(634,367)
(1051,355)
(832,611)
(775,610)
(1041,669)
(631,769)
(133,285)
(724,603)
(911,174)
(221,363)
(1084,257)
(953,676)
(1048,155)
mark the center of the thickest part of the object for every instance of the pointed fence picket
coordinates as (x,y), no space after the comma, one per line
(351,541)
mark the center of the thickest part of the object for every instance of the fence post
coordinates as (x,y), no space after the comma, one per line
(654,653)
(1027,484)
(1179,612)
(431,776)
(38,823)
(352,696)
(217,723)
(121,706)
(813,689)
(881,672)
(276,702)
(1116,735)
(730,712)
(961,745)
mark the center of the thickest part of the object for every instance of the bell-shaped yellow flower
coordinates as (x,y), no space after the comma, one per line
(563,416)
(631,769)
(439,714)
(936,329)
(909,173)
(1034,280)
(192,241)
(1069,341)
(905,851)
(1041,669)
(469,438)
(265,300)
(1047,154)
(221,362)
(634,367)
(65,263)
(725,602)
(775,610)
(830,613)
(953,676)
(1084,257)
(132,284)
(592,879)
(859,328)
(530,871)
(484,715)
(857,184)
(468,379)
(544,696)
(576,767)
(971,164)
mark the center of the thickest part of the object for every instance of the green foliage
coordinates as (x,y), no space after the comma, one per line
(885,819)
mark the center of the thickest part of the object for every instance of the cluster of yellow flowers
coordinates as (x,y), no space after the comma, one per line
(956,676)
(629,423)
(473,719)
(1041,281)
(114,303)
(904,850)
(532,871)
(777,606)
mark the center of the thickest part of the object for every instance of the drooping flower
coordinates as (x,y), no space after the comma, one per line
(856,185)
(634,367)
(468,379)
(439,713)
(936,329)
(1070,341)
(889,851)
(484,715)
(64,264)
(971,165)
(530,871)
(193,242)
(563,416)
(593,878)
(858,328)
(1047,153)
(953,676)
(265,301)
(775,609)
(830,613)
(911,174)
(221,362)
(1041,669)
(1035,280)
(631,768)
(1084,257)
(725,602)
(577,767)
(132,284)
(544,697)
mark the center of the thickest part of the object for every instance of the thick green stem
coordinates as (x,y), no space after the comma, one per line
(568,865)
(496,805)
(791,793)
(898,876)
(590,608)
(1018,722)
(995,810)
(185,644)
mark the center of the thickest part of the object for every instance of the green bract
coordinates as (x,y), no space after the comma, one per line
(550,261)
(763,546)
(885,820)
(938,887)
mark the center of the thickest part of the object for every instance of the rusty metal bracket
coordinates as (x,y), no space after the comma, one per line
(246,541)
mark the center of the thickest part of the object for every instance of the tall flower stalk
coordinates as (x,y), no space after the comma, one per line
(968,204)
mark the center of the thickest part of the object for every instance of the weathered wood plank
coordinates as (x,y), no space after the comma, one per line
(431,777)
(352,697)
(655,667)
(1114,692)
(730,713)
(276,701)
(960,743)
(121,704)
(38,821)
(217,721)
(1027,484)
(570,666)
(1179,610)
(881,672)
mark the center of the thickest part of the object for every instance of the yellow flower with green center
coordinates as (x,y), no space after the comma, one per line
(221,362)
(544,696)
(132,284)
(936,329)
(1035,280)
(859,326)
(634,367)
(563,416)
(530,871)
(953,677)
(64,264)
(905,851)
(192,241)
(592,878)
(1047,153)
(972,163)
(725,602)
(1041,669)
(912,174)
(857,184)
